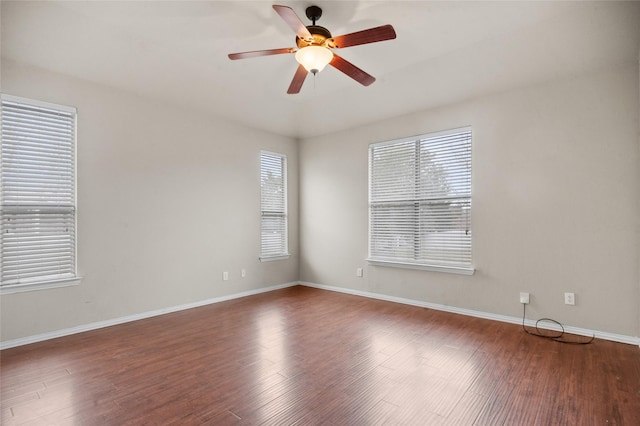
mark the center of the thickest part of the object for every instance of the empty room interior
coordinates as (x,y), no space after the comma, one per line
(320,212)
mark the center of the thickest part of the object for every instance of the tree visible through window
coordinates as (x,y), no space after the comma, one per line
(420,201)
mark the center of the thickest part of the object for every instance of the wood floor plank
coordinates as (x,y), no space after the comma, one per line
(467,410)
(311,357)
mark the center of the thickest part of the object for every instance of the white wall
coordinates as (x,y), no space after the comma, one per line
(167,200)
(556,201)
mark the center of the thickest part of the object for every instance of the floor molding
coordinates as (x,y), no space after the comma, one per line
(621,338)
(135,317)
(479,314)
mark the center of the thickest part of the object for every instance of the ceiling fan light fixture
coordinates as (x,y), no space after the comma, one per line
(314,58)
(315,47)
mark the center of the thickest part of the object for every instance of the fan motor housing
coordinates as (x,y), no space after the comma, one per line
(321,37)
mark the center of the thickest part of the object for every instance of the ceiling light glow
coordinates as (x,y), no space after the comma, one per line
(314,58)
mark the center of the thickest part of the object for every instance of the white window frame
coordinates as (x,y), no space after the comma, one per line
(411,229)
(267,252)
(10,207)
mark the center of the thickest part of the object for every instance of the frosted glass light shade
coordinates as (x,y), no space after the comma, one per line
(314,58)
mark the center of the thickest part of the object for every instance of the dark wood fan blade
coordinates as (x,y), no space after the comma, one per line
(372,35)
(298,79)
(351,70)
(257,53)
(293,21)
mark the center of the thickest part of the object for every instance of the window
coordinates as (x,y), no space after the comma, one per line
(37,197)
(273,206)
(420,202)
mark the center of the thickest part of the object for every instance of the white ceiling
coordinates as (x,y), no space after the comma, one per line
(444,52)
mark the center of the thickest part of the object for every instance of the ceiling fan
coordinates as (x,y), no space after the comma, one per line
(316,44)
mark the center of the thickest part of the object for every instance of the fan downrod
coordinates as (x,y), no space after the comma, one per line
(313,13)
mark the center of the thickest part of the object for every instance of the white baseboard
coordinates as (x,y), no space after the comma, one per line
(479,314)
(107,323)
(486,315)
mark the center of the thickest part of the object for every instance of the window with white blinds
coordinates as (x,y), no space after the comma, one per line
(420,202)
(37,197)
(273,206)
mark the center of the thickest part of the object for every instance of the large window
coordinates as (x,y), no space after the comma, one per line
(37,197)
(420,202)
(273,206)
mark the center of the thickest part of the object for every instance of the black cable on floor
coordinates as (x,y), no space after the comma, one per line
(555,337)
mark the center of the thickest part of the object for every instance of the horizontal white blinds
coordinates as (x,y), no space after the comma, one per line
(420,200)
(273,204)
(37,192)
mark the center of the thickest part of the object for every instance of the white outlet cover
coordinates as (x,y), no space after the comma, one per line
(569,299)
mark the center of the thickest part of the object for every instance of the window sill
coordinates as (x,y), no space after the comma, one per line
(40,285)
(434,268)
(272,258)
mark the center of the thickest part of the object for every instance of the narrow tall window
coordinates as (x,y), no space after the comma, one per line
(37,197)
(273,206)
(420,202)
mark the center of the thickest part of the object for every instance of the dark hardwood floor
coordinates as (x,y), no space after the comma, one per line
(310,357)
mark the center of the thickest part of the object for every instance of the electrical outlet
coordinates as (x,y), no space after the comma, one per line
(524,298)
(225,276)
(243,273)
(569,299)
(359,272)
